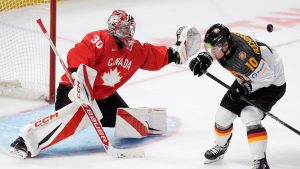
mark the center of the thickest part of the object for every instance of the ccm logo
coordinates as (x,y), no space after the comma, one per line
(45,119)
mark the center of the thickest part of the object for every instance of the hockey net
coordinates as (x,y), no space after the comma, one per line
(25,70)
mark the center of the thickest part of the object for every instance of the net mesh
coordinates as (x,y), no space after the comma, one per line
(24,52)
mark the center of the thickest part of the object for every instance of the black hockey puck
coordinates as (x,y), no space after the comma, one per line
(270,28)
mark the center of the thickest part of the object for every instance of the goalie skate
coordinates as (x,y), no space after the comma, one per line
(18,149)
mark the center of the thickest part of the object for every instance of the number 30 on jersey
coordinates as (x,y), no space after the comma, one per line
(97,41)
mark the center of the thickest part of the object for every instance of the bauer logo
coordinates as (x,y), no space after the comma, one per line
(45,119)
(96,125)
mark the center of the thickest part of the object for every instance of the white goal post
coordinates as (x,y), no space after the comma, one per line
(27,68)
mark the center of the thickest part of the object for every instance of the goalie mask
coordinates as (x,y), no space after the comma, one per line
(122,26)
(216,37)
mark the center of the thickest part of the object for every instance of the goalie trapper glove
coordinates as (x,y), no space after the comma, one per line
(201,63)
(187,44)
(243,89)
(173,55)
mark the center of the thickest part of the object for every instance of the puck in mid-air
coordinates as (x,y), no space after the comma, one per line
(270,28)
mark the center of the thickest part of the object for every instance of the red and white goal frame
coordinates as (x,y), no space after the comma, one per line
(27,63)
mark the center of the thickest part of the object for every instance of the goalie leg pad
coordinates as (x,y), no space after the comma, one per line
(131,123)
(55,127)
(157,121)
(140,122)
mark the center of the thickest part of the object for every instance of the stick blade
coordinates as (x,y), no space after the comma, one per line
(126,153)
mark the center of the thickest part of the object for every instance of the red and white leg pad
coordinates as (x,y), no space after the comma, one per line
(56,127)
(140,122)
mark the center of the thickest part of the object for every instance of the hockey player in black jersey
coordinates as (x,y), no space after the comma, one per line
(259,76)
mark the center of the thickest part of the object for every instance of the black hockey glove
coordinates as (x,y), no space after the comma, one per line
(201,63)
(243,89)
(173,55)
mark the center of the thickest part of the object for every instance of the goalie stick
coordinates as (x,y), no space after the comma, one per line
(253,103)
(117,153)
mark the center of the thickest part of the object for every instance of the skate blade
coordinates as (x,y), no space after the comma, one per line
(207,161)
(17,153)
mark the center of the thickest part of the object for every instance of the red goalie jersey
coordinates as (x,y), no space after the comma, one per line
(115,66)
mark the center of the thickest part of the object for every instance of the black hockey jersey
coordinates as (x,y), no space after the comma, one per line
(253,61)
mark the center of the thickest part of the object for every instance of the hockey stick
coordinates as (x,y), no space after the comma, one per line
(253,103)
(118,153)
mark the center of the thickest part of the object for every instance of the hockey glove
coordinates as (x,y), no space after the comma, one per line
(187,44)
(243,89)
(173,55)
(201,63)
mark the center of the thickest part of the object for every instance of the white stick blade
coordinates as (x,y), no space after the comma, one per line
(132,153)
(126,153)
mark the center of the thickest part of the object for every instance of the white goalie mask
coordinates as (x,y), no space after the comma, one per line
(122,26)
